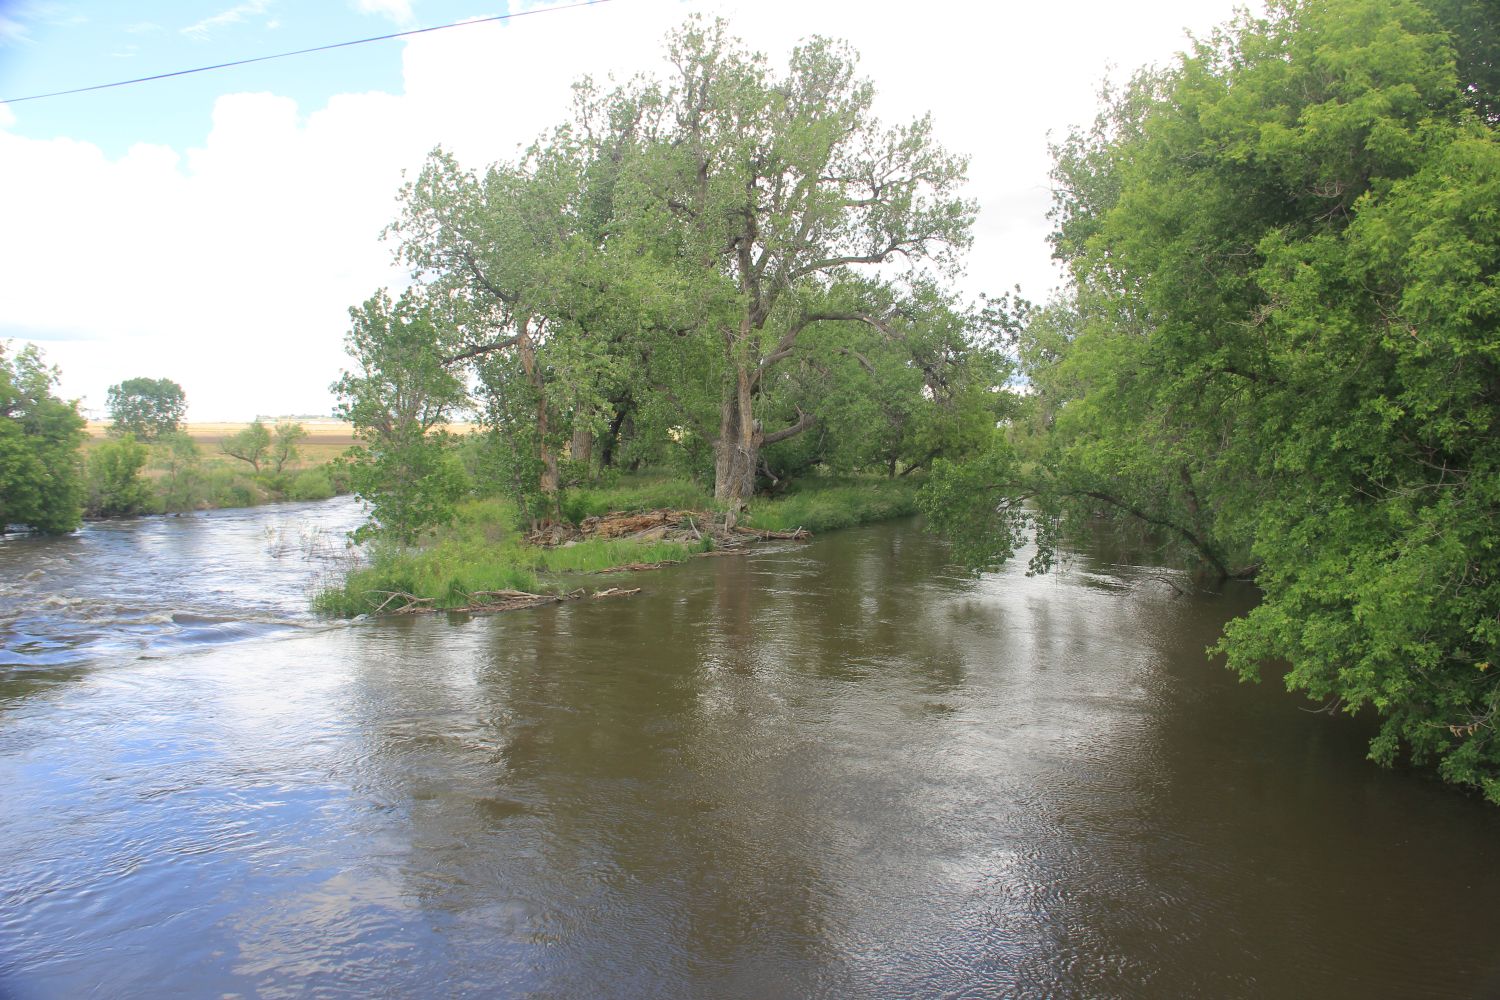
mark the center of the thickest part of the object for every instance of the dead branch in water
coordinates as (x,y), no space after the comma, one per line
(411,603)
(765,534)
(485,601)
(636,566)
(657,525)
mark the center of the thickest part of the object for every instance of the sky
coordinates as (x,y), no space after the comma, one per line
(215,228)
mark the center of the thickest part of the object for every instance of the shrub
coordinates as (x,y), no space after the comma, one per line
(115,487)
(311,484)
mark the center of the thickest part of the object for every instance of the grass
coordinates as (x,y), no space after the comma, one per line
(635,492)
(477,553)
(480,551)
(828,504)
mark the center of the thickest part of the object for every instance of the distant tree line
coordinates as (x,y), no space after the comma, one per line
(49,480)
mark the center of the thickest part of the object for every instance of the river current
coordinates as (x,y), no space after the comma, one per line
(838,769)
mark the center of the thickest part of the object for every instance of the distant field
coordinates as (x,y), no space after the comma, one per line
(326,440)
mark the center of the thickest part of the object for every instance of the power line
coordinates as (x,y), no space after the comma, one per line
(303,52)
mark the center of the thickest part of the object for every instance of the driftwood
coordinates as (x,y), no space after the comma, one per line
(636,567)
(484,601)
(409,603)
(764,534)
(658,525)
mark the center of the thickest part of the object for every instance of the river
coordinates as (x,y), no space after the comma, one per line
(839,769)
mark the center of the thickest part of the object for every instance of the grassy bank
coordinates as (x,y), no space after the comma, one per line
(829,504)
(481,551)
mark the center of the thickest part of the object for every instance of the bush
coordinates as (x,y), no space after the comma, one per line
(311,484)
(115,487)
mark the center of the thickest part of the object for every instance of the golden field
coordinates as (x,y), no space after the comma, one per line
(325,441)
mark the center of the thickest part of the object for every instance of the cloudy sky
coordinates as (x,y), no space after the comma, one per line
(215,228)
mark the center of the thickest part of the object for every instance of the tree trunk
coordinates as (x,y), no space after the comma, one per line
(612,439)
(549,479)
(581,448)
(738,448)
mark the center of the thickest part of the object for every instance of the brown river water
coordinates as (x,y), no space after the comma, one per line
(839,769)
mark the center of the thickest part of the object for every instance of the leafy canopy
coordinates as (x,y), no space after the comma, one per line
(40,482)
(1281,352)
(146,407)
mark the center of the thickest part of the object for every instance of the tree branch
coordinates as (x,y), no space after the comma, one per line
(804,421)
(480,350)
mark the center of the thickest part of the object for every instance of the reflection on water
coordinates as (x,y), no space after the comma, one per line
(832,770)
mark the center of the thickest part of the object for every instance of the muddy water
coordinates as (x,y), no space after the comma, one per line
(832,770)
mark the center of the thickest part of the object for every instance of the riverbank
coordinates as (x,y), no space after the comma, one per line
(482,554)
(193,472)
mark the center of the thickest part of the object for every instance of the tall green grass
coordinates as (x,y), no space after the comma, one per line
(825,505)
(635,493)
(478,552)
(481,550)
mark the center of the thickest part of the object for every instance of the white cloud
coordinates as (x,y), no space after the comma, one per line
(397,10)
(230,266)
(234,15)
(13,31)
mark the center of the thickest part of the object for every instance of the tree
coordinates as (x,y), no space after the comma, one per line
(146,407)
(40,484)
(1282,352)
(397,398)
(250,445)
(284,441)
(177,456)
(774,189)
(115,487)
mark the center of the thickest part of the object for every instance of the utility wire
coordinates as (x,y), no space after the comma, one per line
(302,52)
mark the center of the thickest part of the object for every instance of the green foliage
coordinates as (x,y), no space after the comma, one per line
(408,468)
(1281,353)
(180,487)
(146,408)
(225,487)
(312,484)
(40,484)
(768,192)
(411,483)
(478,552)
(250,445)
(622,292)
(634,493)
(115,487)
(284,441)
(825,505)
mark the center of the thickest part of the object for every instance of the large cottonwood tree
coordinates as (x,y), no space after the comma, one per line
(776,187)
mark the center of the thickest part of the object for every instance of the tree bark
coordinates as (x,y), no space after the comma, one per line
(581,447)
(549,478)
(738,449)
